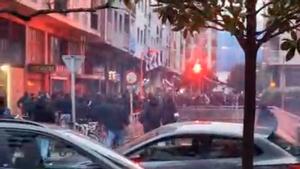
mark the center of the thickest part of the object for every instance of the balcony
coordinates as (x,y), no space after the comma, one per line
(56,19)
(277,57)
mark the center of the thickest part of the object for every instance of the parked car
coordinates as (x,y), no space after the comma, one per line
(29,145)
(209,145)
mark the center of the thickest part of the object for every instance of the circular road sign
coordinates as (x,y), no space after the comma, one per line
(131,78)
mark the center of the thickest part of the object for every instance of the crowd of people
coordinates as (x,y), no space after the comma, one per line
(210,98)
(113,112)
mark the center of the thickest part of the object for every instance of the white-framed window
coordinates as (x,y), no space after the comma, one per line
(121,23)
(138,35)
(116,21)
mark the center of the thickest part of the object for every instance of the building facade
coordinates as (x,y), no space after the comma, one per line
(113,41)
(31,51)
(284,74)
(153,46)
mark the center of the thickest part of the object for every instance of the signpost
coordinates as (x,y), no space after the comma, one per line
(131,79)
(73,63)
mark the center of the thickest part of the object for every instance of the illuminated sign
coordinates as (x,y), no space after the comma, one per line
(41,68)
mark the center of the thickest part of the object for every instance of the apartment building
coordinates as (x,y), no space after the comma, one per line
(32,50)
(285,74)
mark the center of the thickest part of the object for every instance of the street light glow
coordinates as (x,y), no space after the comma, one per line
(4,68)
(272,84)
(197,68)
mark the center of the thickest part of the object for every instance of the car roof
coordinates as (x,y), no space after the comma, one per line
(209,127)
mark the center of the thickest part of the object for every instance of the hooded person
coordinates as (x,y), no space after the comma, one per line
(152,114)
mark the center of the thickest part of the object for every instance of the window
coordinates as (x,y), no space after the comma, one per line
(116,21)
(94,20)
(58,47)
(161,57)
(127,24)
(28,150)
(60,5)
(190,148)
(142,5)
(149,19)
(36,48)
(121,23)
(109,15)
(142,34)
(146,4)
(95,3)
(138,35)
(145,35)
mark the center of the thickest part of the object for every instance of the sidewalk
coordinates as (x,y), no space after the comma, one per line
(135,128)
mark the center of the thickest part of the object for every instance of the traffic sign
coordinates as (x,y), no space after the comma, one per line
(131,78)
(73,62)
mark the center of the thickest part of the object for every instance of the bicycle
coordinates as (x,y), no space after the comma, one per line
(93,130)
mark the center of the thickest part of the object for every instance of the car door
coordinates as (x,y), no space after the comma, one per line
(24,149)
(190,152)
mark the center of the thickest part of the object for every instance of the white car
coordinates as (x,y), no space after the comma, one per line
(207,145)
(28,145)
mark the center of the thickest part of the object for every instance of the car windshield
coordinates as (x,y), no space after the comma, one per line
(115,70)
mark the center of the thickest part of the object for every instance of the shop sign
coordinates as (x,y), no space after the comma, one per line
(114,76)
(41,68)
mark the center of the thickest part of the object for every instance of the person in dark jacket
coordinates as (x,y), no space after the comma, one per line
(43,111)
(25,103)
(81,109)
(116,119)
(151,117)
(168,110)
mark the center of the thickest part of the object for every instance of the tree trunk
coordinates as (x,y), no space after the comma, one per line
(249,108)
(250,48)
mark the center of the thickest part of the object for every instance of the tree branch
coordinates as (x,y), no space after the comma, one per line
(214,27)
(263,7)
(285,30)
(263,40)
(276,25)
(50,11)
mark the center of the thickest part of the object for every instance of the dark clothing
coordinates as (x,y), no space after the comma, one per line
(26,104)
(151,117)
(267,119)
(5,114)
(43,111)
(111,115)
(168,110)
(63,105)
(66,106)
(81,110)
